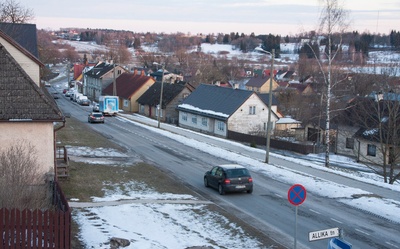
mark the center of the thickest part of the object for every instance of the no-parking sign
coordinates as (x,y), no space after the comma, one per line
(297,194)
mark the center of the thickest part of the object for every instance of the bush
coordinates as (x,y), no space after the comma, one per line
(21,185)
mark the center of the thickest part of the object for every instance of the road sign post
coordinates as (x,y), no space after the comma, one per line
(296,195)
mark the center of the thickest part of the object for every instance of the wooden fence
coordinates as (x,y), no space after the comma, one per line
(37,229)
(274,143)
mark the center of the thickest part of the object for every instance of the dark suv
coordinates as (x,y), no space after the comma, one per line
(229,178)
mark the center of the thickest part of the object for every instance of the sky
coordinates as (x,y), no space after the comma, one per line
(178,217)
(282,17)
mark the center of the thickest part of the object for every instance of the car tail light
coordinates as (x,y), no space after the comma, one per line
(227,181)
(250,179)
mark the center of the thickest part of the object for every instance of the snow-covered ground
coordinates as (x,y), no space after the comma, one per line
(179,217)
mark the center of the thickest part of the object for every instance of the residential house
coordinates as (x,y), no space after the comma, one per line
(173,95)
(298,88)
(28,113)
(261,84)
(215,110)
(129,87)
(368,125)
(99,77)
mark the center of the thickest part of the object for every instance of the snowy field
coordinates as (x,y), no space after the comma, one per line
(179,217)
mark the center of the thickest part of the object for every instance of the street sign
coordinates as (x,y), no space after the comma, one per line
(336,243)
(323,234)
(297,194)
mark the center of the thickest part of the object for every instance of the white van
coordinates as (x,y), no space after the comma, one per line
(77,96)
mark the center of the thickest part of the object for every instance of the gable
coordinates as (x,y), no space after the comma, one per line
(20,98)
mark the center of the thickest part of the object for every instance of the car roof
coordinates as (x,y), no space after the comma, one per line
(231,166)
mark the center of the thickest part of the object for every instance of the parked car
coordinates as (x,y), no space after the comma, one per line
(85,102)
(229,178)
(96,107)
(96,117)
(68,93)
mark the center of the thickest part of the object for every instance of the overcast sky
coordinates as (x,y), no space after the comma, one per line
(283,17)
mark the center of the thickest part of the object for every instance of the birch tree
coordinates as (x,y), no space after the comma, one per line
(333,23)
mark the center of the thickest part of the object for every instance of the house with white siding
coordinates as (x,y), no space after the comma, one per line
(215,110)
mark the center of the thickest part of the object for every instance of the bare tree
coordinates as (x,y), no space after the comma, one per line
(21,184)
(12,11)
(377,119)
(333,23)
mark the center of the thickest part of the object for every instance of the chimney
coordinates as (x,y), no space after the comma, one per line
(135,72)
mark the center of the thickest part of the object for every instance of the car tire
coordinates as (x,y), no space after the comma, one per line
(250,191)
(206,182)
(221,190)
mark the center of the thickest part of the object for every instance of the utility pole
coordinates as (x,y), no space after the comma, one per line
(269,108)
(161,96)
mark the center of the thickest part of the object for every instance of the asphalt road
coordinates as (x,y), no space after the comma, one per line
(267,208)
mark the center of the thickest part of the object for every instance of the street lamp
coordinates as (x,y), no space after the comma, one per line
(161,95)
(269,106)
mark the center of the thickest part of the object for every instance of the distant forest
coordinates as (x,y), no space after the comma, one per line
(173,42)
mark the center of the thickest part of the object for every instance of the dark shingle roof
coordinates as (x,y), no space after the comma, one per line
(24,34)
(127,84)
(265,98)
(99,70)
(20,98)
(152,96)
(214,101)
(257,81)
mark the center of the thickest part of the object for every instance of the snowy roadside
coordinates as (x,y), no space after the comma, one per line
(153,220)
(148,219)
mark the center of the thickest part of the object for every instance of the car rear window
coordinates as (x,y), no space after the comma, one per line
(237,172)
(98,115)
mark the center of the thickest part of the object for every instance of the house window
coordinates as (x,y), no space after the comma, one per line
(350,143)
(184,116)
(126,103)
(220,126)
(252,110)
(119,72)
(194,119)
(141,108)
(204,121)
(371,150)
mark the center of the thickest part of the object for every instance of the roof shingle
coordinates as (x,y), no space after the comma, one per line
(20,98)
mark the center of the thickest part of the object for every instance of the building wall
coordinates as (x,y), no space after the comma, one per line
(29,66)
(360,148)
(39,134)
(134,105)
(171,114)
(202,124)
(265,87)
(244,122)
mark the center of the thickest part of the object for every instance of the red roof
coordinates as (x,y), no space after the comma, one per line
(127,84)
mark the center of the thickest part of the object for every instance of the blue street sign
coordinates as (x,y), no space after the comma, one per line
(297,194)
(336,243)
